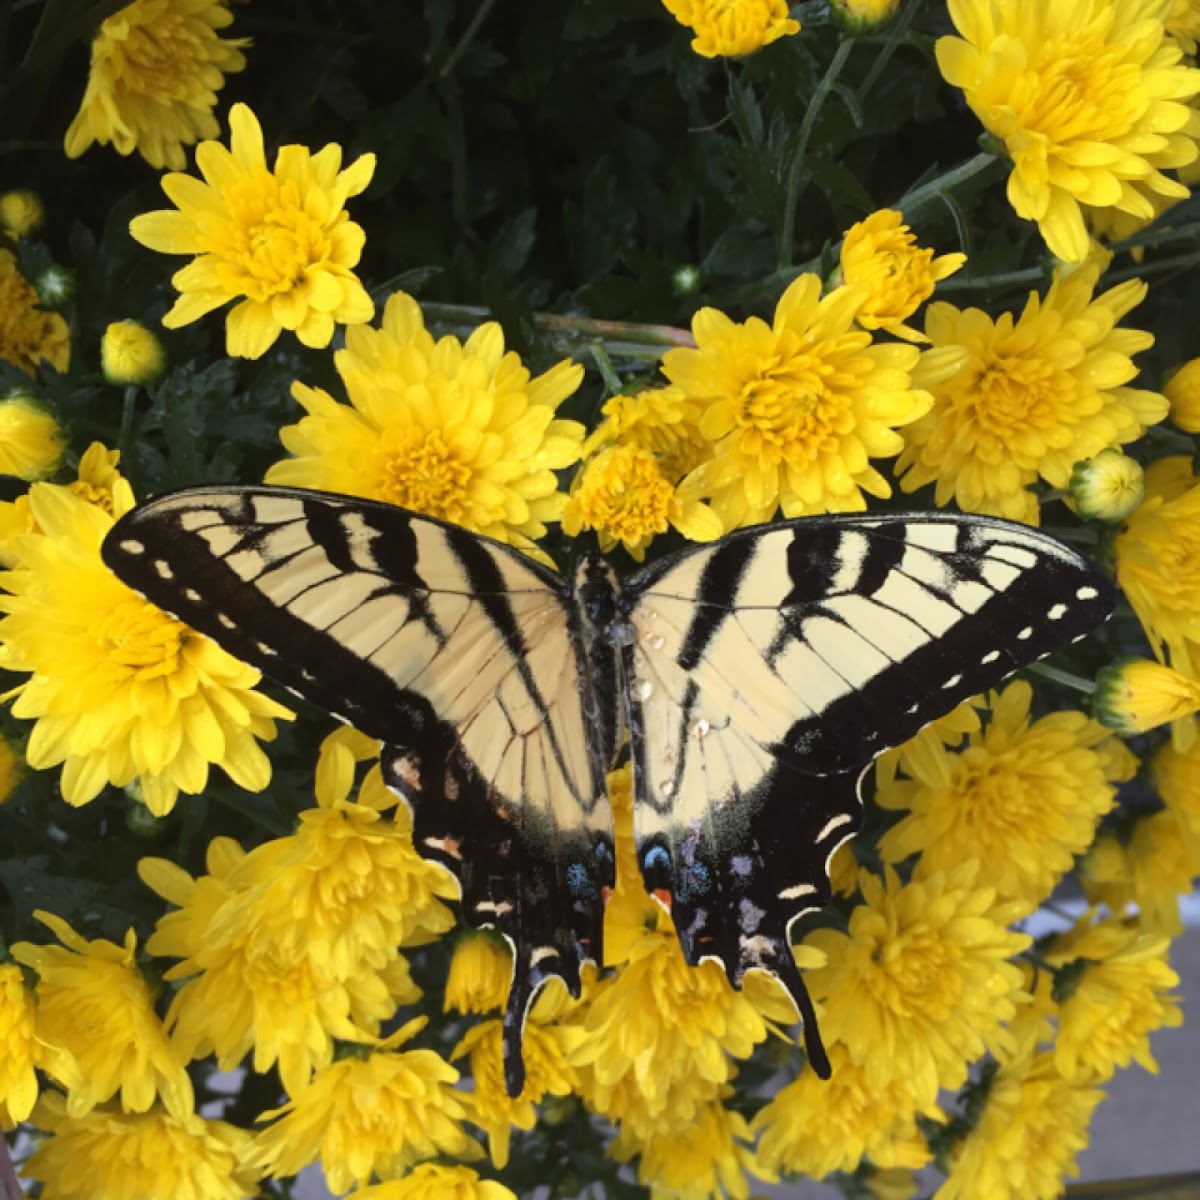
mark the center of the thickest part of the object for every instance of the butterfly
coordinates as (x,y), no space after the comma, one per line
(754,679)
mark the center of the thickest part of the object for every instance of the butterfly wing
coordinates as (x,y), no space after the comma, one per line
(768,668)
(455,651)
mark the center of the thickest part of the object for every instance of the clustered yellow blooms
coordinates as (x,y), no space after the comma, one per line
(293,955)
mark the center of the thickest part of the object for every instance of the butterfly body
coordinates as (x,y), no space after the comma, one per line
(754,679)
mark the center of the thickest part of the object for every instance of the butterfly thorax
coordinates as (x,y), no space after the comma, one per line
(603,630)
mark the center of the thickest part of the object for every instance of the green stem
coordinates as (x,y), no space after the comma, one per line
(1066,678)
(604,365)
(977,283)
(621,339)
(125,437)
(787,230)
(467,38)
(896,33)
(912,202)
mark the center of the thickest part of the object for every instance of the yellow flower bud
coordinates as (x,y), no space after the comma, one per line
(856,16)
(479,974)
(1136,694)
(1108,487)
(131,354)
(1182,389)
(31,442)
(12,768)
(20,213)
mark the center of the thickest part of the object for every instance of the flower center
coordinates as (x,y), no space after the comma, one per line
(1009,392)
(1083,91)
(422,473)
(625,493)
(159,60)
(274,241)
(142,639)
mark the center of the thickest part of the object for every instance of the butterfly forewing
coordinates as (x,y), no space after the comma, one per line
(769,667)
(458,653)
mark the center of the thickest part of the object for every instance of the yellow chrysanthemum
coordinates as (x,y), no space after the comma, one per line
(1023,797)
(21,213)
(480,973)
(119,690)
(1089,97)
(1183,24)
(1158,563)
(281,238)
(375,1115)
(1134,695)
(1182,389)
(434,1181)
(243,993)
(457,431)
(129,1157)
(708,1158)
(29,334)
(733,27)
(1108,487)
(920,985)
(94,1006)
(1032,1125)
(881,254)
(21,1051)
(157,66)
(861,15)
(1034,395)
(814,1126)
(31,441)
(131,354)
(545,1048)
(796,410)
(1119,992)
(1176,773)
(624,495)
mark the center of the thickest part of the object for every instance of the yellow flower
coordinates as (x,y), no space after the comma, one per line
(1089,97)
(623,493)
(480,973)
(20,213)
(375,1115)
(1034,395)
(881,254)
(119,1156)
(1108,487)
(95,1007)
(1158,563)
(1182,389)
(733,27)
(796,410)
(12,767)
(131,354)
(1033,1124)
(21,1051)
(457,431)
(1024,798)
(282,239)
(119,690)
(156,68)
(1183,24)
(814,1126)
(31,441)
(244,992)
(433,1181)
(920,985)
(924,756)
(1117,993)
(29,335)
(1134,695)
(545,1049)
(858,16)
(1176,773)
(706,1158)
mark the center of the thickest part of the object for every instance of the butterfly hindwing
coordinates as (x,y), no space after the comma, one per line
(458,653)
(766,669)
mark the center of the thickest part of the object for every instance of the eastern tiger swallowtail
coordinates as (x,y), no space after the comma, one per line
(755,676)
